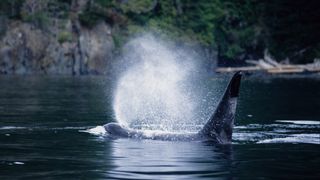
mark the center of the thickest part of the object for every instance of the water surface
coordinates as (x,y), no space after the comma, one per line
(42,121)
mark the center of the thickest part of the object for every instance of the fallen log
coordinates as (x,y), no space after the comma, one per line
(270,66)
(234,69)
(283,71)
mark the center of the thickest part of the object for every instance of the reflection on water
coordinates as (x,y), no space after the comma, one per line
(148,159)
(42,124)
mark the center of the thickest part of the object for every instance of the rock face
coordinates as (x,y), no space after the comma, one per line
(95,48)
(68,50)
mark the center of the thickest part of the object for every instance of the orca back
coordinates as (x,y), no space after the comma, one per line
(220,125)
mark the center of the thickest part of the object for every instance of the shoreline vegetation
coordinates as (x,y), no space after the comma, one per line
(85,37)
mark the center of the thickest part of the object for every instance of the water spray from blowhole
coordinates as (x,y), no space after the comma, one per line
(155,89)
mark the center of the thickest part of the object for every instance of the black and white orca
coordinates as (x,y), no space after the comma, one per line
(218,128)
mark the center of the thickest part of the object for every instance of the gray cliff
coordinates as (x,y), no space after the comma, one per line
(63,46)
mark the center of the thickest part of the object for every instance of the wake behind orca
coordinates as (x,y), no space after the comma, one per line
(218,128)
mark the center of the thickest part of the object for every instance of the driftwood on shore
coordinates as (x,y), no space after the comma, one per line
(271,66)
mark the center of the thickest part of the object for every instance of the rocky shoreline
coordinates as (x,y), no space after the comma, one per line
(83,37)
(25,49)
(63,46)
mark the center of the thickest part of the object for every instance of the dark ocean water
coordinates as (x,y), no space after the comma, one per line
(277,134)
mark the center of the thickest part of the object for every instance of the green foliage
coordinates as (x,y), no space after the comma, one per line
(89,18)
(183,21)
(3,27)
(233,50)
(137,6)
(64,36)
(11,8)
(239,30)
(199,18)
(64,1)
(293,28)
(104,3)
(96,11)
(39,19)
(59,9)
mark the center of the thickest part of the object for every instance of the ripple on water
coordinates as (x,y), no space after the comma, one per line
(284,131)
(294,138)
(308,122)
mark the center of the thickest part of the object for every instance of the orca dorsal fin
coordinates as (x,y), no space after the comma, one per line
(219,126)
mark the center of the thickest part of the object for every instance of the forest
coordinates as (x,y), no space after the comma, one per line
(237,30)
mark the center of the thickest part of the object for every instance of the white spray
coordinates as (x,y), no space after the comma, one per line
(154,91)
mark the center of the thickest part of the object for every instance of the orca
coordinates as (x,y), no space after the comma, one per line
(218,128)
